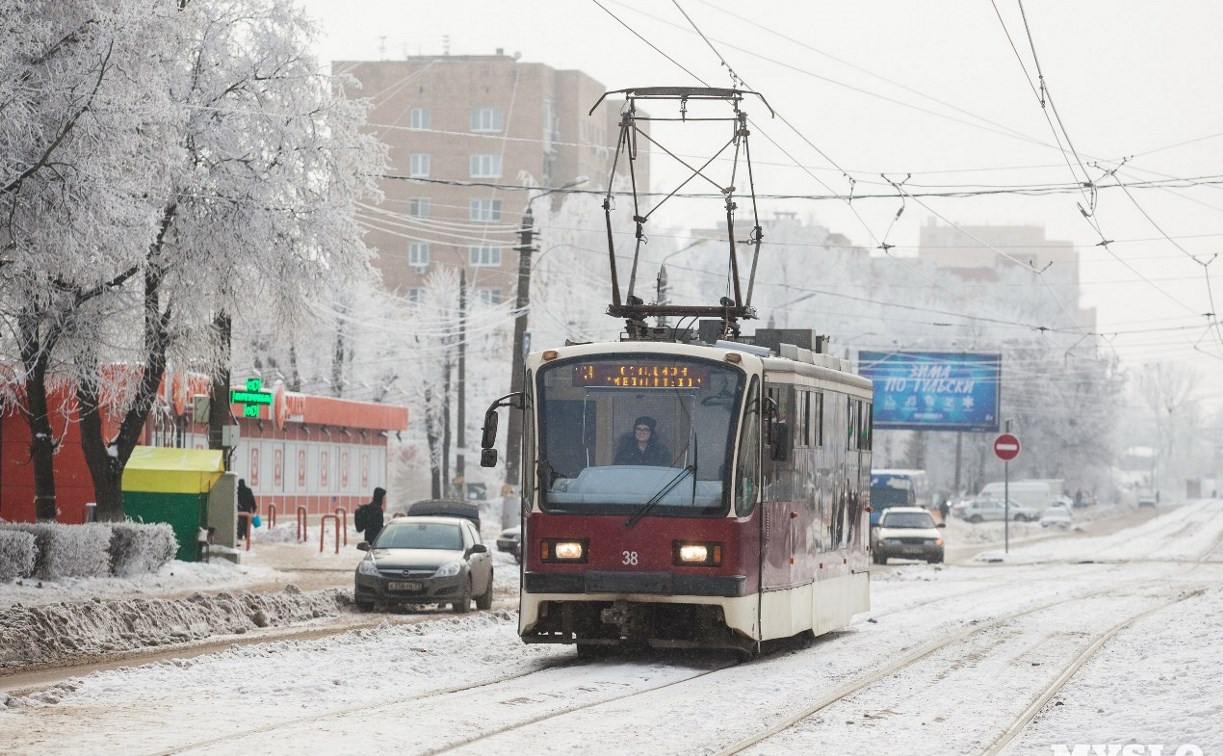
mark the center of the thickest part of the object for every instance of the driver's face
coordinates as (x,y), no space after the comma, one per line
(642,431)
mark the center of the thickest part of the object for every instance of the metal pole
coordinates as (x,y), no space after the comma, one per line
(460,461)
(959,446)
(513,441)
(1006,501)
(1006,504)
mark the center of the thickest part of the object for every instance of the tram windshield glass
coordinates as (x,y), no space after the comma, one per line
(620,432)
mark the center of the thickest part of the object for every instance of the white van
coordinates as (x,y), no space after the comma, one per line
(1036,494)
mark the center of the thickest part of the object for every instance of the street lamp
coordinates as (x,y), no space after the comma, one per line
(513,444)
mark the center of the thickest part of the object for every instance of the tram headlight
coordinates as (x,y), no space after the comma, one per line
(558,550)
(697,553)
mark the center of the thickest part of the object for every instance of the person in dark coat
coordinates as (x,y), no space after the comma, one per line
(642,446)
(371,515)
(246,503)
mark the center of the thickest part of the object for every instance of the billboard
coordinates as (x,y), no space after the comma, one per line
(934,390)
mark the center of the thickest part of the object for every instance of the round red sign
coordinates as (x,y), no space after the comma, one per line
(1006,446)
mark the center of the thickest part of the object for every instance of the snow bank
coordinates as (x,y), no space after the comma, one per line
(59,632)
(139,548)
(17,554)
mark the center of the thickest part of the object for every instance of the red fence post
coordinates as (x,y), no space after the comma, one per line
(322,532)
(342,513)
(250,527)
(271,515)
(303,534)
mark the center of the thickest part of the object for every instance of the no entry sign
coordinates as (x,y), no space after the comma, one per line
(1006,446)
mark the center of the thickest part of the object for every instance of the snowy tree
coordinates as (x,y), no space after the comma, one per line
(246,168)
(86,121)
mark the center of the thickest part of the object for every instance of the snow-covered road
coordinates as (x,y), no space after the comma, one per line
(1041,645)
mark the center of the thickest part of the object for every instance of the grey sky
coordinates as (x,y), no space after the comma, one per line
(932,89)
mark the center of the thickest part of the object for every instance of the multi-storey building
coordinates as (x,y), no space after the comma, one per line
(462,130)
(976,253)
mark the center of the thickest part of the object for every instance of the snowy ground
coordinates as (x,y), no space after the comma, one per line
(951,659)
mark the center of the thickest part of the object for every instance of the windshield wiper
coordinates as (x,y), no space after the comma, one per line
(645,508)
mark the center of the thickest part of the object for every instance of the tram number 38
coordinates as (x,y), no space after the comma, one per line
(628,557)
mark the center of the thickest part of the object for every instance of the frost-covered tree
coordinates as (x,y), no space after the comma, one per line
(85,127)
(246,162)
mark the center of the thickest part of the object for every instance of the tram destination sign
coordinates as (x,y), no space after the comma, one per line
(632,375)
(934,390)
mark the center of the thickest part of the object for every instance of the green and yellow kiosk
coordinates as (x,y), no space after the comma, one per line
(172,486)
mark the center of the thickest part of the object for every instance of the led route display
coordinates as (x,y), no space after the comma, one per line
(641,376)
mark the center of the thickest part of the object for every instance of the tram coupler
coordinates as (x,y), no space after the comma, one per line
(617,614)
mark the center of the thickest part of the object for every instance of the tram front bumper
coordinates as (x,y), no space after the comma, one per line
(651,583)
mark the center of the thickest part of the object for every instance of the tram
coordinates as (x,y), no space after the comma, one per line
(682,489)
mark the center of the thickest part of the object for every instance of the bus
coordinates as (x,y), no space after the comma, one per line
(899,488)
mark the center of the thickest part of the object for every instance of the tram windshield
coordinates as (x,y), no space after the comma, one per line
(620,432)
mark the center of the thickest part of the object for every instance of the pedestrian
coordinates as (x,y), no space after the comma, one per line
(246,503)
(944,508)
(368,517)
(642,446)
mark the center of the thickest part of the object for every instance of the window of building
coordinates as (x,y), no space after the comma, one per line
(484,255)
(486,166)
(487,296)
(418,119)
(485,210)
(419,165)
(418,207)
(486,119)
(415,295)
(418,254)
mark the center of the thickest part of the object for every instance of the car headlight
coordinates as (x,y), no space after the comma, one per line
(935,541)
(449,570)
(892,541)
(367,567)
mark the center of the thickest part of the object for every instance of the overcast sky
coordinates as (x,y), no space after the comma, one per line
(942,91)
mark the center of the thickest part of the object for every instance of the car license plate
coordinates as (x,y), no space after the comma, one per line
(910,549)
(403,586)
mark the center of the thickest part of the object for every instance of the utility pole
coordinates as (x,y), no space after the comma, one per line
(526,247)
(662,293)
(513,442)
(460,462)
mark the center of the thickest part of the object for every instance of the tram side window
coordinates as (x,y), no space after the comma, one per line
(747,467)
(865,426)
(816,400)
(852,422)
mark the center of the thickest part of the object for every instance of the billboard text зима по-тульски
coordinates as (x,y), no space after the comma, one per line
(934,390)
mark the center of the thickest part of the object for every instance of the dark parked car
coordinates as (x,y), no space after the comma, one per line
(511,540)
(425,560)
(446,508)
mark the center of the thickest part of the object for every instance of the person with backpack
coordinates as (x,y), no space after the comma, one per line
(368,517)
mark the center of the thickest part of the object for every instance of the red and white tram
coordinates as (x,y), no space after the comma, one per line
(680,491)
(755,527)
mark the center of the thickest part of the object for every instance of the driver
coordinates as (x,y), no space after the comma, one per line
(642,447)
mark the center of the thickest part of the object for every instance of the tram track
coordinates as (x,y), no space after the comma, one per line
(363,708)
(1069,671)
(950,642)
(1045,694)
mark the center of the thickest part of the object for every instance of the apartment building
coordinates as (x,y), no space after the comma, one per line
(461,130)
